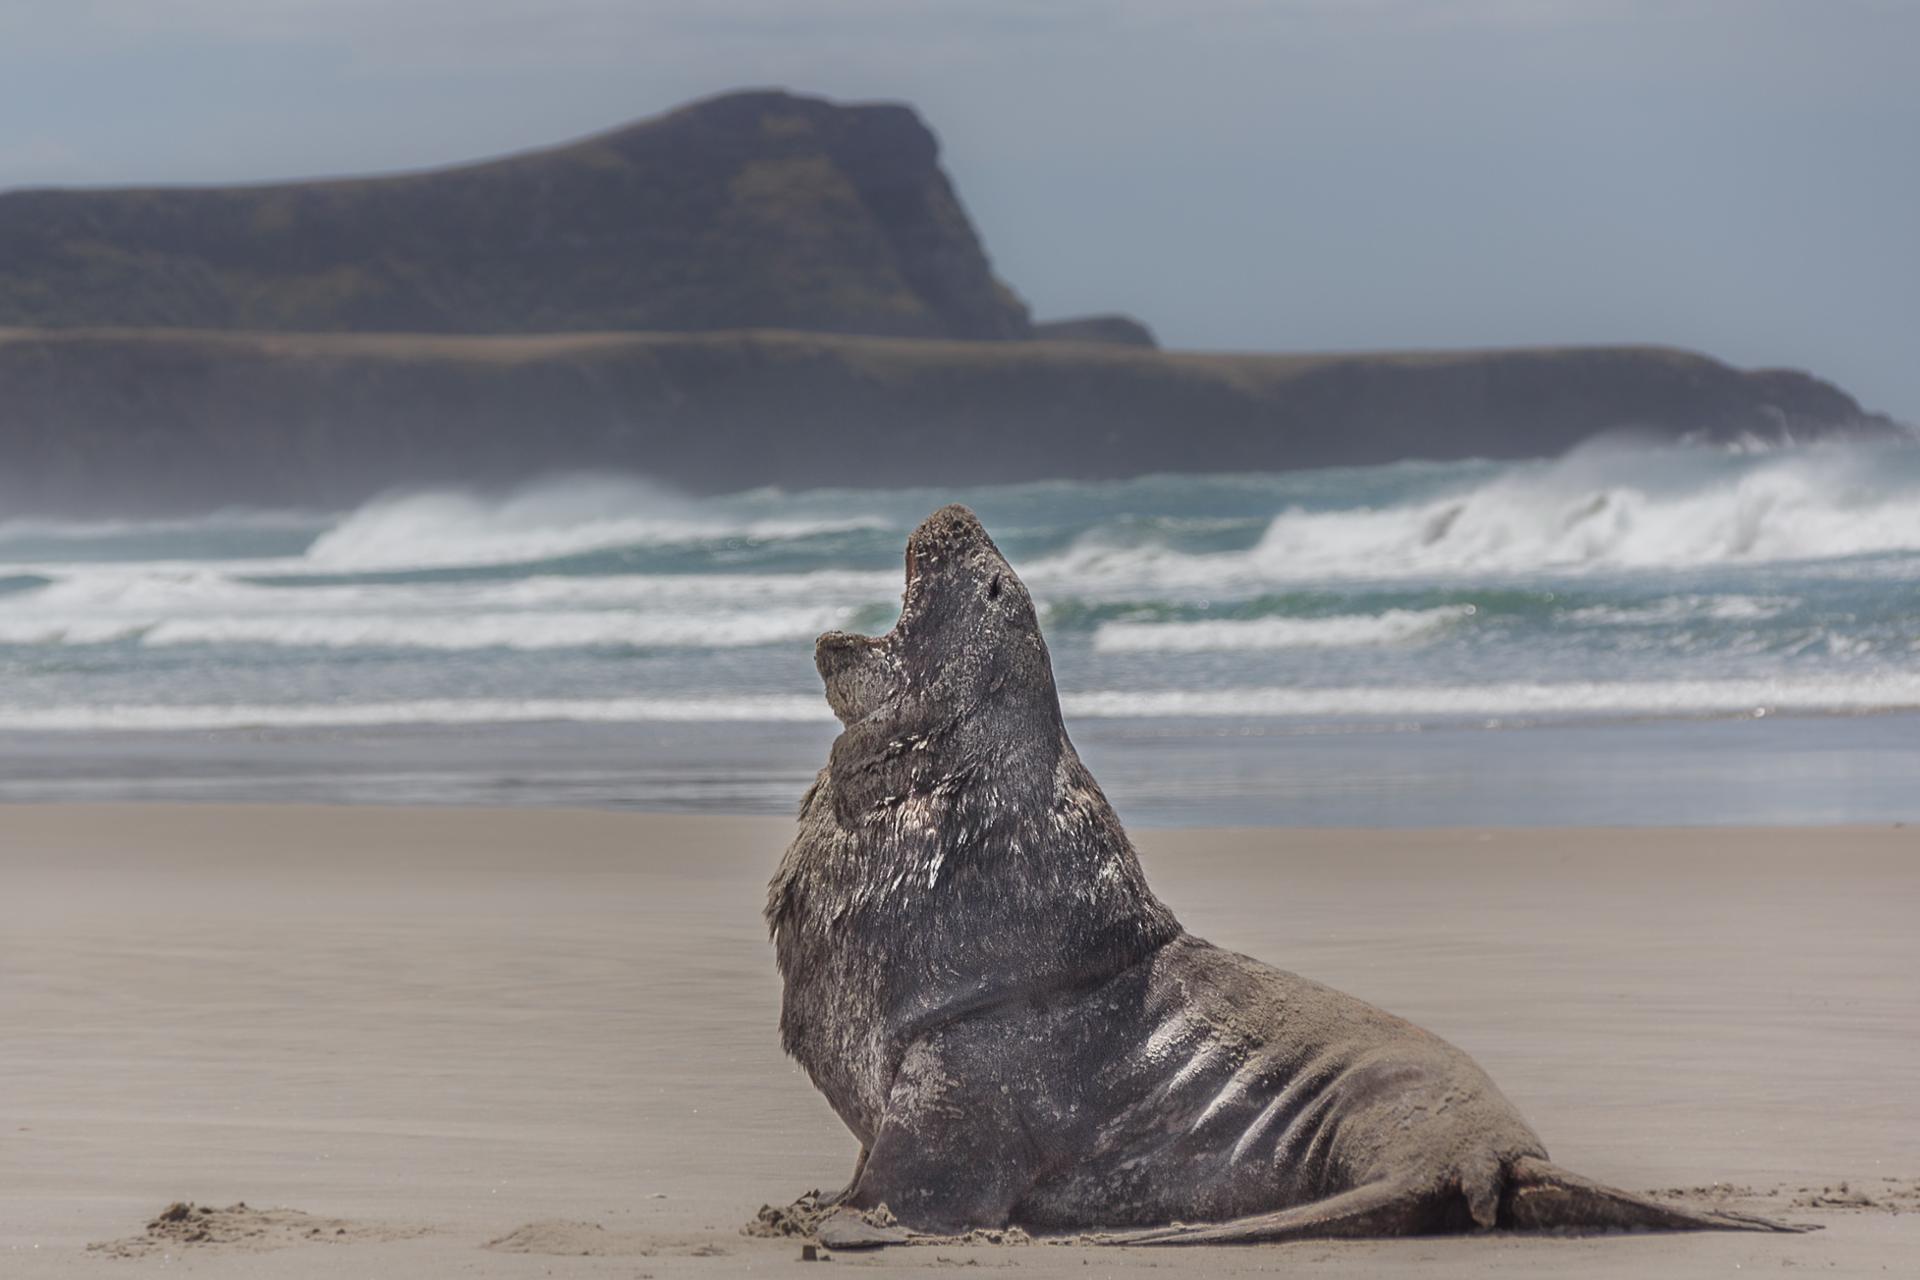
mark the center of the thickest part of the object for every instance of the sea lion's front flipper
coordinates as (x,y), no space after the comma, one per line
(1541,1196)
(952,1153)
(859,1167)
(1377,1209)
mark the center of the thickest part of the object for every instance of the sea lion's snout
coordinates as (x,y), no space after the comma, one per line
(960,589)
(950,556)
(963,604)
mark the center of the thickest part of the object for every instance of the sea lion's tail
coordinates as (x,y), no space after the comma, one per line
(1529,1194)
(1541,1196)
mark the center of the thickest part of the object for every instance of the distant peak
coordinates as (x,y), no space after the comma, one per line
(761,208)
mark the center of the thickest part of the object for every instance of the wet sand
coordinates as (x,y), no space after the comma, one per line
(541,1042)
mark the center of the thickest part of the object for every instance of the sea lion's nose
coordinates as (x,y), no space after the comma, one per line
(949,529)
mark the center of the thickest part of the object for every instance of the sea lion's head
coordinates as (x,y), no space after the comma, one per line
(962,685)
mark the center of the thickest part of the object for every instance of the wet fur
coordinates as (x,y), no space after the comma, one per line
(1019,1033)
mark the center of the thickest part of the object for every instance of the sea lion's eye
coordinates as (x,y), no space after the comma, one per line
(993,588)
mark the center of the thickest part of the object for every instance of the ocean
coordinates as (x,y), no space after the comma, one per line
(1626,635)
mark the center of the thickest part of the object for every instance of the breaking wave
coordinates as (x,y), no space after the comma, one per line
(1597,509)
(538,522)
(541,521)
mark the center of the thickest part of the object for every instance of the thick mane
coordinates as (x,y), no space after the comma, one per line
(928,744)
(951,898)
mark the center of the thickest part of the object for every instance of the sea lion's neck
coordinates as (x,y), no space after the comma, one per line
(950,900)
(1011,890)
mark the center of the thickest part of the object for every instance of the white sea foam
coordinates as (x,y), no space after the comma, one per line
(1393,626)
(1610,512)
(1522,700)
(680,590)
(548,519)
(530,630)
(441,711)
(166,585)
(1512,702)
(452,632)
(175,604)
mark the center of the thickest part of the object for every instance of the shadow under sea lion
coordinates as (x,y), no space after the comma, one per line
(1018,1032)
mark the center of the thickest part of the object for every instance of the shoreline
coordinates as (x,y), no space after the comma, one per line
(63,810)
(1771,771)
(554,1030)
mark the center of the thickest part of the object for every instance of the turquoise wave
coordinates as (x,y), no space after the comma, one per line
(1662,570)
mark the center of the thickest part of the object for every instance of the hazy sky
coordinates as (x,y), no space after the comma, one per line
(1738,176)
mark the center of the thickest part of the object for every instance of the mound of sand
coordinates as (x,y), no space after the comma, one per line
(801,1218)
(241,1228)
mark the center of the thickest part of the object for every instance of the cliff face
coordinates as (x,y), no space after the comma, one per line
(750,210)
(152,423)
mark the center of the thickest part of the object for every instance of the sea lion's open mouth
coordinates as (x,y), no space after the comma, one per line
(856,669)
(952,570)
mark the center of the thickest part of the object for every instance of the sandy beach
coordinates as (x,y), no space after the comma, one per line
(439,1042)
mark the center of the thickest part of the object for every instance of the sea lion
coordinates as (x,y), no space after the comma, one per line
(1020,1034)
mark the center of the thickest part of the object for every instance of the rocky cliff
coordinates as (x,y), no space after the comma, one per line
(749,210)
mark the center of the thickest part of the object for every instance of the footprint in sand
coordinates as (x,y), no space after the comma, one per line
(562,1237)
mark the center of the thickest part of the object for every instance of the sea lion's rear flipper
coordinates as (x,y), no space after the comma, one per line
(1541,1196)
(1377,1209)
(1537,1196)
